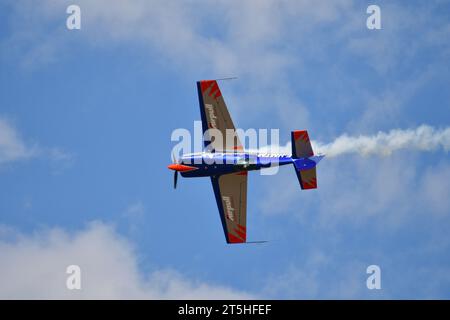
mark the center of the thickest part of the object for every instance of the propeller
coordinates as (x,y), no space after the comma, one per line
(175,173)
(175,179)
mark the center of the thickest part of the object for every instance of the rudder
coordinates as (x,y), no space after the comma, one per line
(304,160)
(301,145)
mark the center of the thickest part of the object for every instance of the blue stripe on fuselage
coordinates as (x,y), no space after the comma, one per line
(209,164)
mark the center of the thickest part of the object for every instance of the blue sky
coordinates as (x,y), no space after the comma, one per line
(85,123)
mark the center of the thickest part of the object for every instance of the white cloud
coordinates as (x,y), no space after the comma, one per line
(34,267)
(12,147)
(220,36)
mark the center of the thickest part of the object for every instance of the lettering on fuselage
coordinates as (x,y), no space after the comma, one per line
(229,210)
(212,116)
(273,155)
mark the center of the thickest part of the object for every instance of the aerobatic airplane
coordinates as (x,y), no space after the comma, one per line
(228,166)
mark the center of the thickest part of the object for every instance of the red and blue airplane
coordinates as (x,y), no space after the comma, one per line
(228,166)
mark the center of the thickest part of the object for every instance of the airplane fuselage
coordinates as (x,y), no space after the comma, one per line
(206,164)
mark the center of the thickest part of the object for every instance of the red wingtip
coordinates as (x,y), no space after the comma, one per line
(214,92)
(312,184)
(233,239)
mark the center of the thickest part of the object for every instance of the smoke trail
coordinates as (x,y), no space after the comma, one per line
(423,138)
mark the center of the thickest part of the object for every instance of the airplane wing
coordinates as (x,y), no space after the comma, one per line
(231,197)
(215,115)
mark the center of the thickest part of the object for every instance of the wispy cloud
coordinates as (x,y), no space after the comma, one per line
(204,39)
(12,147)
(133,216)
(268,44)
(311,279)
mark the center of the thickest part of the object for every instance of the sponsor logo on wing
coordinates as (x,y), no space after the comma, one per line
(212,116)
(229,210)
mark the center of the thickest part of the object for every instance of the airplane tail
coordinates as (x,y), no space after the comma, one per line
(304,159)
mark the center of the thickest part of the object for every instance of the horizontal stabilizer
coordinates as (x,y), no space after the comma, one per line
(307,178)
(304,159)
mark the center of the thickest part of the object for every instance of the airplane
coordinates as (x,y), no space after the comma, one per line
(228,166)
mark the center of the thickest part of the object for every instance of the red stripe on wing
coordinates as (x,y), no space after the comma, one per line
(301,134)
(214,92)
(241,234)
(234,239)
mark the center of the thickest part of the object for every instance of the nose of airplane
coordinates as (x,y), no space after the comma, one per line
(173,166)
(180,167)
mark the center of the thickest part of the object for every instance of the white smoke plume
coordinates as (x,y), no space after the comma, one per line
(423,138)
